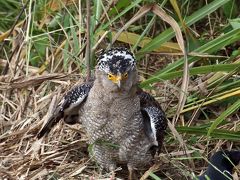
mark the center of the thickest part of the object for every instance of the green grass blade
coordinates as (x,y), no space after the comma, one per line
(132,5)
(154,176)
(169,33)
(141,37)
(216,133)
(97,11)
(234,107)
(209,47)
(194,71)
(75,37)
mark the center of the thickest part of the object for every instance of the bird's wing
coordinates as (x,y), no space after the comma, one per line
(155,122)
(73,98)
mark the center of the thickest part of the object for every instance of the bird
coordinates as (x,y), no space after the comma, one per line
(221,165)
(125,125)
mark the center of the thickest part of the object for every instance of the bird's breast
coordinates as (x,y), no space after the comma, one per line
(110,116)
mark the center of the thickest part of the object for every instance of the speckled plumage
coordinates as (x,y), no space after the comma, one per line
(125,125)
(116,60)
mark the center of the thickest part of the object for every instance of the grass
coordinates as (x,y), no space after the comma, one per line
(43,54)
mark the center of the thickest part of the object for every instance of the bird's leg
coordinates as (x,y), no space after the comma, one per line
(131,172)
(112,170)
(91,178)
(130,176)
(71,119)
(112,176)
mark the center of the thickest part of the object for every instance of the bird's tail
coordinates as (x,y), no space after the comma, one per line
(53,120)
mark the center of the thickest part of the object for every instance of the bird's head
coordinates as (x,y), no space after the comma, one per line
(116,69)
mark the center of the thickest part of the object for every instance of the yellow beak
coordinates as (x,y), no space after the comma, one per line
(117,80)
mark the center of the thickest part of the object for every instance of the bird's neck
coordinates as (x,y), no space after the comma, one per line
(116,93)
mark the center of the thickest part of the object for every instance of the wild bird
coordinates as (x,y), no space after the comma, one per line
(221,166)
(125,125)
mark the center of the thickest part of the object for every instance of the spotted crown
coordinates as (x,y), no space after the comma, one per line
(116,61)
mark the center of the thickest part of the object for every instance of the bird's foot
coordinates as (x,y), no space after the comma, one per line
(91,178)
(112,177)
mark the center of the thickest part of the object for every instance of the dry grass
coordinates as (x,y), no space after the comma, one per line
(28,100)
(26,103)
(29,94)
(24,108)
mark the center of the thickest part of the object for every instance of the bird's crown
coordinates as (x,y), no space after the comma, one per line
(116,60)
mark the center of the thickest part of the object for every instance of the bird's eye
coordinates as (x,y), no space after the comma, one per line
(125,75)
(110,76)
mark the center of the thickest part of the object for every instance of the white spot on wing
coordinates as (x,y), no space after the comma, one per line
(153,129)
(153,114)
(77,102)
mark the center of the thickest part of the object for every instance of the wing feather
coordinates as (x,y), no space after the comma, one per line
(73,99)
(155,121)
